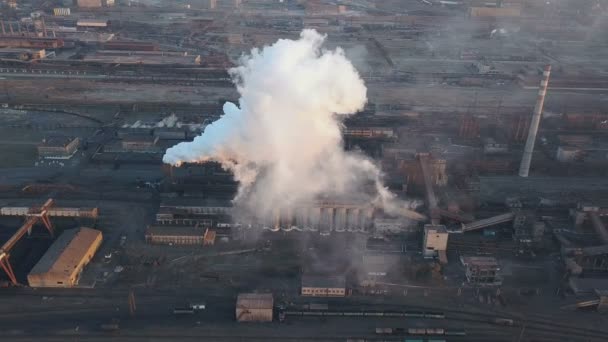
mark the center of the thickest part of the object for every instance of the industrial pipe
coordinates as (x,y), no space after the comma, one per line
(526,159)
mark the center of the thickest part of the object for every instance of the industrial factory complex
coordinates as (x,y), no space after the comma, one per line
(484,122)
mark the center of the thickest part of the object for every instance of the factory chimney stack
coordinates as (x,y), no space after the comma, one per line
(524,167)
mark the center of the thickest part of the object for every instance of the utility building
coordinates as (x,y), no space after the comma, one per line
(64,261)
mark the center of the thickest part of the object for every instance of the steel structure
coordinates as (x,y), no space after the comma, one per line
(32,219)
(599,227)
(490,221)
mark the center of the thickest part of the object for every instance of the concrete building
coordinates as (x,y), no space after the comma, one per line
(64,261)
(482,271)
(435,241)
(178,235)
(323,286)
(254,307)
(58,147)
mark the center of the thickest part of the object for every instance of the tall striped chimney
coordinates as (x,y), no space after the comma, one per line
(524,167)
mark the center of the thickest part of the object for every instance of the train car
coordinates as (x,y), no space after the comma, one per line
(503,321)
(414,314)
(390,331)
(183,311)
(416,331)
(455,333)
(426,331)
(434,314)
(435,331)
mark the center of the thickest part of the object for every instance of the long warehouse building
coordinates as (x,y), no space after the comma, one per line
(64,261)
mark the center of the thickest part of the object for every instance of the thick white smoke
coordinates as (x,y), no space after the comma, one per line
(283,141)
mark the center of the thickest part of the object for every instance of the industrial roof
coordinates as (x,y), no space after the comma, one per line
(67,251)
(175,231)
(323,281)
(254,301)
(57,141)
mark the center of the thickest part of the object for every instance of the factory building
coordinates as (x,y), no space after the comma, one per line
(482,271)
(323,286)
(178,235)
(58,147)
(197,206)
(140,143)
(254,307)
(324,217)
(64,261)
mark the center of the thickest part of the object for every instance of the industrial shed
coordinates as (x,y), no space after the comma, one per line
(64,261)
(254,307)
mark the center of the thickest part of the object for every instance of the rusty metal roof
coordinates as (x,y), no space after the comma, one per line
(254,301)
(67,251)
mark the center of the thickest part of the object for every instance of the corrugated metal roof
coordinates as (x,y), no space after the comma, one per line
(255,301)
(67,251)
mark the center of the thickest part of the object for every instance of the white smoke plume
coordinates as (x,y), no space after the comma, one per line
(283,140)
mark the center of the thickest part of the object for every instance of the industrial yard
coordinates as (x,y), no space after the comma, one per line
(373,170)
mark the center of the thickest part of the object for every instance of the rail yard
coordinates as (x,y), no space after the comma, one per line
(304,170)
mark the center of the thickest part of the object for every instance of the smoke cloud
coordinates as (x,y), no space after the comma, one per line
(283,140)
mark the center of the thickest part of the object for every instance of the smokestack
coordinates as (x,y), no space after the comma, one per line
(524,167)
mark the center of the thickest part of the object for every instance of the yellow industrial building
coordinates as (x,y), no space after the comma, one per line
(64,261)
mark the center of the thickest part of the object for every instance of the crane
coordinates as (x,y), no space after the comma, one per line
(31,220)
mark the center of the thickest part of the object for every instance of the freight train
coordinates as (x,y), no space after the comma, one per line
(409,314)
(420,331)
